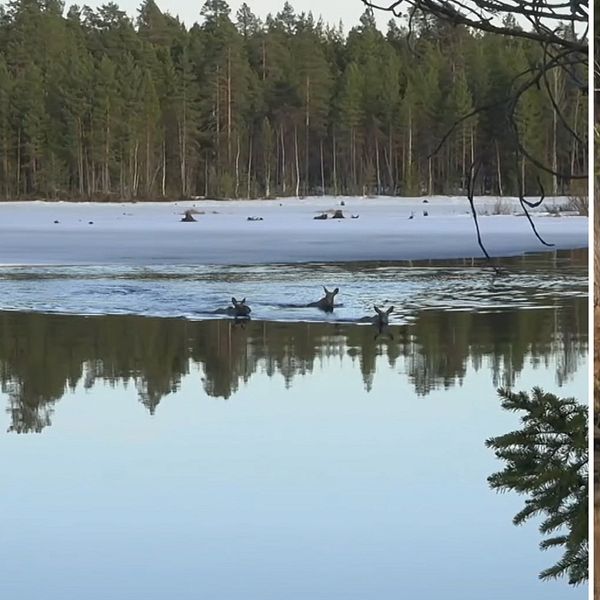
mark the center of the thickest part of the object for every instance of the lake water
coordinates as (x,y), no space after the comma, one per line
(294,456)
(194,292)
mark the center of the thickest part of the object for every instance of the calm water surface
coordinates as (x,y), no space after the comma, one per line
(151,458)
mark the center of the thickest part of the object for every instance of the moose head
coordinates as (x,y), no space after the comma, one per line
(326,303)
(240,308)
(382,317)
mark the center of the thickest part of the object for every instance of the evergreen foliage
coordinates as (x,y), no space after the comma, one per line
(547,460)
(94,105)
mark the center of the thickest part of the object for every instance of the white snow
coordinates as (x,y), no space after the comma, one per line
(152,233)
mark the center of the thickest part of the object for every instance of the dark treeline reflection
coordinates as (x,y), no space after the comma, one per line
(42,356)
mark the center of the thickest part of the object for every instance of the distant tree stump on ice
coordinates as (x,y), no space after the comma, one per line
(188,218)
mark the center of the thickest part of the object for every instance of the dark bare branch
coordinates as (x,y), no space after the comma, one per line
(486,15)
(561,29)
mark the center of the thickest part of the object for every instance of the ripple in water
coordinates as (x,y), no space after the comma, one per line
(194,292)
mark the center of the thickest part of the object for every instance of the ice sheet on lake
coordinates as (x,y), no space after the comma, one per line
(35,233)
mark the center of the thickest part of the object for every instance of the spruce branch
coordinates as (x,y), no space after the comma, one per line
(547,461)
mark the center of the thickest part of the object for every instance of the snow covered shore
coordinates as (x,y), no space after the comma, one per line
(152,233)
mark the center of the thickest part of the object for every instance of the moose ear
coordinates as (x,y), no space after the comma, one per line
(326,290)
(233,300)
(377,310)
(390,310)
(243,301)
(336,291)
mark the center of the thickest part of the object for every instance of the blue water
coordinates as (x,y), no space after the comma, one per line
(315,490)
(198,459)
(196,292)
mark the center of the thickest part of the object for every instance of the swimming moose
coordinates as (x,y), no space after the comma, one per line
(381,320)
(382,317)
(326,303)
(238,309)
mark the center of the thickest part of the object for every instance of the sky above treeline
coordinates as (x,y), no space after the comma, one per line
(332,11)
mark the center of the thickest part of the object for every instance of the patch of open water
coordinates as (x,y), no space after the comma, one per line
(202,458)
(195,292)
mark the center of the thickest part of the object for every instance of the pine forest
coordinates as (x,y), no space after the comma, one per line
(97,105)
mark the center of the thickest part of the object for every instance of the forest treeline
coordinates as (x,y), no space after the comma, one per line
(96,105)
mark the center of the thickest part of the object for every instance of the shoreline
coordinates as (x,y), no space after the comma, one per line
(446,262)
(308,198)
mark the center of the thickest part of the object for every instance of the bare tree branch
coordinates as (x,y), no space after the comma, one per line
(471,179)
(483,15)
(554,26)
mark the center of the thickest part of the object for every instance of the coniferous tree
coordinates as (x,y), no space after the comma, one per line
(547,461)
(6,131)
(95,105)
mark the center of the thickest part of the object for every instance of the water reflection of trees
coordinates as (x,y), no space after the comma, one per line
(43,356)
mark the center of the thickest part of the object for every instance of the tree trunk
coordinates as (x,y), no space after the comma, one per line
(250,144)
(91,176)
(228,105)
(19,162)
(335,182)
(183,157)
(121,178)
(390,160)
(297,161)
(554,135)
(218,117)
(307,138)
(136,169)
(430,183)
(377,165)
(282,160)
(463,177)
(164,169)
(322,169)
(409,152)
(575,118)
(268,179)
(472,145)
(499,167)
(80,168)
(148,165)
(154,176)
(127,178)
(206,176)
(403,163)
(267,165)
(237,168)
(106,174)
(5,167)
(353,154)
